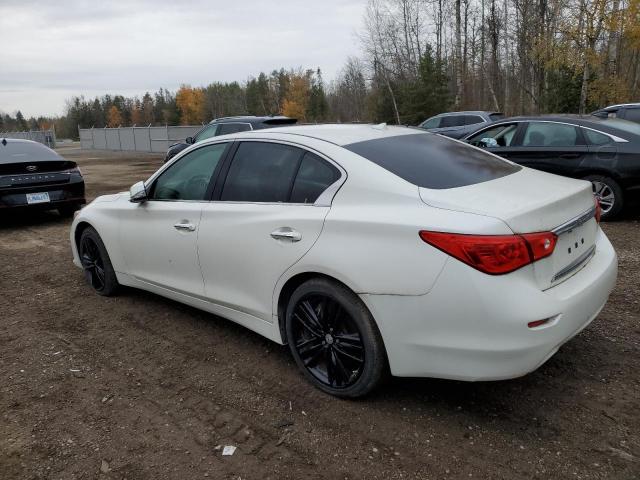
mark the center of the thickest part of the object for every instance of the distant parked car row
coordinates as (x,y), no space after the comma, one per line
(603,148)
(226,125)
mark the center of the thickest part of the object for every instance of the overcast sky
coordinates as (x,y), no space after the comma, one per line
(53,50)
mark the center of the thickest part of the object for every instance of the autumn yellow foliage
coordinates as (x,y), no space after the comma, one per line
(190,102)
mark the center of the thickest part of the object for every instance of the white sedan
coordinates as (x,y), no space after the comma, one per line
(367,249)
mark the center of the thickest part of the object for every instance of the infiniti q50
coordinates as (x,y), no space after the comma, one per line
(367,249)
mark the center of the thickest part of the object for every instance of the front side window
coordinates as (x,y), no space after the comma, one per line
(233,128)
(549,134)
(261,172)
(189,177)
(499,136)
(208,132)
(433,122)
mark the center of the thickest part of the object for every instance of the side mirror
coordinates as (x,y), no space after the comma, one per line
(138,193)
(488,142)
(190,140)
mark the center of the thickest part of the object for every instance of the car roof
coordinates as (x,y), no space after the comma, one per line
(467,112)
(249,118)
(338,134)
(620,105)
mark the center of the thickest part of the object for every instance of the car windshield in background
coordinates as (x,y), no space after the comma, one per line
(431,161)
(15,152)
(496,116)
(624,125)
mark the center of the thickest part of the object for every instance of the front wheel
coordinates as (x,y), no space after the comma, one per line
(608,193)
(96,264)
(334,339)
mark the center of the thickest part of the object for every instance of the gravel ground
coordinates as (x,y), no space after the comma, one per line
(140,387)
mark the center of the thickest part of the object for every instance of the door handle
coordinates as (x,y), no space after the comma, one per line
(569,155)
(185,226)
(286,233)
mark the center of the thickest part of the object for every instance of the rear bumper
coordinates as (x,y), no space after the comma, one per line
(472,326)
(59,195)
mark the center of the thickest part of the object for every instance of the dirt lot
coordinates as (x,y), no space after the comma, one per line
(140,387)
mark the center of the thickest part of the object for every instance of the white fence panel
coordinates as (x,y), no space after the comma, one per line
(138,139)
(113,138)
(46,137)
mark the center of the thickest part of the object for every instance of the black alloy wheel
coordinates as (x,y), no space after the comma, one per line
(334,339)
(97,267)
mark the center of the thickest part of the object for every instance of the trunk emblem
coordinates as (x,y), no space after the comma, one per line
(31,168)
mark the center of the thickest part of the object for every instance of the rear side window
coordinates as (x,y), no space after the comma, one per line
(314,176)
(452,121)
(632,114)
(261,172)
(549,134)
(596,138)
(472,119)
(433,161)
(225,128)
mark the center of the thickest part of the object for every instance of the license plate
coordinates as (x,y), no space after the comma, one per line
(38,198)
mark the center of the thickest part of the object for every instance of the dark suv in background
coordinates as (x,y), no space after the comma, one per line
(225,125)
(458,124)
(626,111)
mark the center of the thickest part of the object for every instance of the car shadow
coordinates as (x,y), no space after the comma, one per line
(12,219)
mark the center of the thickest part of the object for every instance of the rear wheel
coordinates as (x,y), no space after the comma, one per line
(97,267)
(608,193)
(334,339)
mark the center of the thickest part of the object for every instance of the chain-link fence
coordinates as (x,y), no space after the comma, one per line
(46,137)
(138,139)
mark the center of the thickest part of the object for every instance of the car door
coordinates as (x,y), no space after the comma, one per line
(552,147)
(264,218)
(159,235)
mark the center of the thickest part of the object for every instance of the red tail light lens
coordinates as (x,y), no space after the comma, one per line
(493,254)
(598,209)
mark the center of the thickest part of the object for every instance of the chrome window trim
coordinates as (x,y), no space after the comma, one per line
(575,222)
(615,138)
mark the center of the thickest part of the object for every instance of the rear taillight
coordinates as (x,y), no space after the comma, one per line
(598,209)
(493,254)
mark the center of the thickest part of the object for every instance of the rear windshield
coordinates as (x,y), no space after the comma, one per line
(496,116)
(16,152)
(432,161)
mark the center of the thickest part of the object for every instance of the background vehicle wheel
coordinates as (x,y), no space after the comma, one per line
(334,339)
(609,194)
(68,210)
(98,270)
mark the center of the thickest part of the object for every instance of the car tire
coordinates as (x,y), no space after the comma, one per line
(68,210)
(609,193)
(96,264)
(334,339)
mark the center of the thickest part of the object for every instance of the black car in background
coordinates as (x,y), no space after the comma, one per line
(222,126)
(605,151)
(626,111)
(459,124)
(34,176)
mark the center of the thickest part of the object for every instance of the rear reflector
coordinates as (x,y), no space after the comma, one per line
(493,254)
(538,323)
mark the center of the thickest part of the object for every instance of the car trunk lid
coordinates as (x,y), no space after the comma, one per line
(531,201)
